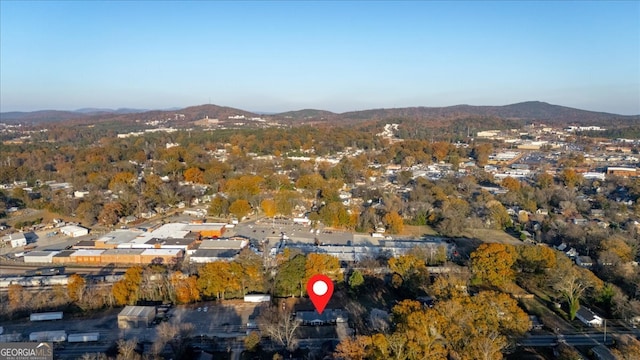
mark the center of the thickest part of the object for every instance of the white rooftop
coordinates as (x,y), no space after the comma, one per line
(204,226)
(87,252)
(223,244)
(43,253)
(119,236)
(161,252)
(170,230)
(72,228)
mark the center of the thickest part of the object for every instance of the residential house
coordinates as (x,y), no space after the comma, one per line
(588,317)
(328,317)
(584,261)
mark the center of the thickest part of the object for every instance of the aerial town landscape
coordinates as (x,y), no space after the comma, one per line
(209,231)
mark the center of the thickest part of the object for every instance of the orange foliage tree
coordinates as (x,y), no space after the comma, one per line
(322,264)
(394,222)
(75,287)
(269,207)
(185,287)
(126,291)
(194,175)
(492,263)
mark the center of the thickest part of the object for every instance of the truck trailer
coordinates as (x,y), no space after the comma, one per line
(46,316)
(83,337)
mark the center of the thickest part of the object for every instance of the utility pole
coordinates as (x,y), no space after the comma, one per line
(605,332)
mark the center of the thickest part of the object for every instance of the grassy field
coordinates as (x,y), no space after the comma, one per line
(419,231)
(492,236)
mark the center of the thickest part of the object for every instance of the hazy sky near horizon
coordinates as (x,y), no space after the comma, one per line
(339,56)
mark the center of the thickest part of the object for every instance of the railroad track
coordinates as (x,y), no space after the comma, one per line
(10,268)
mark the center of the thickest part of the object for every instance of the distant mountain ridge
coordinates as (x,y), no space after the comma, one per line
(527,111)
(522,112)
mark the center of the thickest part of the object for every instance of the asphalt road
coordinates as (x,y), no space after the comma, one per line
(575,340)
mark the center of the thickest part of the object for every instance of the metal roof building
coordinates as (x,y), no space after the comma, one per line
(136,316)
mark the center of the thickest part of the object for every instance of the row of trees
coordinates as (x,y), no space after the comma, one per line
(477,327)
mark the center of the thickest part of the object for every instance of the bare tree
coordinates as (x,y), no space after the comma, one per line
(571,285)
(127,349)
(280,326)
(176,335)
(93,356)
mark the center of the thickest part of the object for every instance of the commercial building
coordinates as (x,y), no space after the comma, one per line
(136,316)
(39,257)
(122,256)
(161,256)
(15,240)
(74,230)
(86,256)
(622,171)
(207,230)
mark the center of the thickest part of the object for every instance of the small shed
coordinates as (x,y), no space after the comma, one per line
(136,316)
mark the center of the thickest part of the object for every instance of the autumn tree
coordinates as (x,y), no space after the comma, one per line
(492,263)
(617,247)
(511,184)
(627,347)
(76,287)
(498,215)
(450,284)
(544,180)
(122,180)
(322,264)
(252,341)
(88,211)
(286,201)
(268,207)
(127,290)
(535,259)
(570,177)
(334,214)
(481,153)
(411,269)
(251,271)
(194,175)
(110,213)
(244,187)
(184,287)
(240,208)
(440,150)
(394,222)
(218,277)
(219,206)
(356,348)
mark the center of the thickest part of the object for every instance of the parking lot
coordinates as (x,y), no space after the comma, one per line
(221,319)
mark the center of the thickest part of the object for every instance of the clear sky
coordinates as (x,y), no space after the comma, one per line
(339,56)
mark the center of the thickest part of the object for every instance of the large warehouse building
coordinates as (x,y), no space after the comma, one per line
(136,316)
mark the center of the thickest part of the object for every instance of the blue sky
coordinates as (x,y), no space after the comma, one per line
(338,56)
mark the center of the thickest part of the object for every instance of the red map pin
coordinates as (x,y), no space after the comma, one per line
(320,289)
